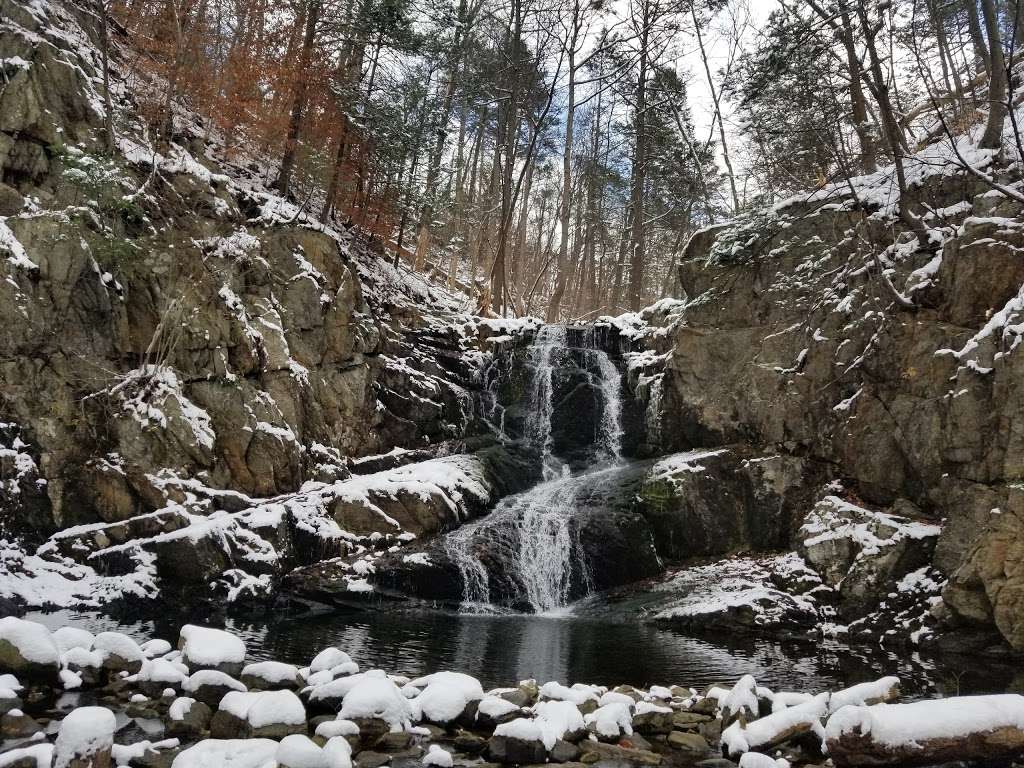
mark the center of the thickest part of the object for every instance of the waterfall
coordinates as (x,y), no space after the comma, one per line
(531,535)
(550,340)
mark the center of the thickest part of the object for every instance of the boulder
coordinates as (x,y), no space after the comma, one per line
(595,752)
(209,648)
(957,729)
(28,649)
(210,686)
(188,718)
(509,749)
(85,739)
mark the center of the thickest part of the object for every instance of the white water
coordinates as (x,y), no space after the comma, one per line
(531,533)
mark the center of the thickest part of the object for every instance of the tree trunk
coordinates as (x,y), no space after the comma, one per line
(639,175)
(997,108)
(434,163)
(299,101)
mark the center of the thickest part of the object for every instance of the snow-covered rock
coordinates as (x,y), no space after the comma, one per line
(228,753)
(961,728)
(267,675)
(377,698)
(28,648)
(209,648)
(259,714)
(85,738)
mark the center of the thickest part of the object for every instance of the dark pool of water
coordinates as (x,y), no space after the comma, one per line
(501,650)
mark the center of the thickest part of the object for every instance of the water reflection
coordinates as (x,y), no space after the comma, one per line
(503,649)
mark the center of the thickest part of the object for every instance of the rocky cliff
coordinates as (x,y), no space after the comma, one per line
(199,382)
(816,332)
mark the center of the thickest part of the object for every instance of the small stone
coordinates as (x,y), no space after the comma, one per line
(469,743)
(17,726)
(565,752)
(370,759)
(691,742)
(394,742)
(505,749)
(594,751)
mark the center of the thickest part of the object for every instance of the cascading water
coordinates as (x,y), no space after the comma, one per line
(532,533)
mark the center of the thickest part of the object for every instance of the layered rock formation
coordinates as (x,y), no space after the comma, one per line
(791,340)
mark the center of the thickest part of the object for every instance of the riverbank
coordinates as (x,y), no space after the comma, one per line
(210,701)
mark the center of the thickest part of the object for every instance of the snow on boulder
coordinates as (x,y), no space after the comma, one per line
(120,653)
(493,710)
(879,692)
(329,696)
(559,720)
(786,699)
(649,717)
(332,728)
(611,721)
(158,674)
(740,702)
(228,753)
(28,648)
(777,728)
(259,714)
(209,686)
(330,659)
(579,695)
(141,752)
(519,741)
(377,698)
(34,756)
(85,738)
(156,647)
(446,696)
(438,756)
(299,751)
(266,675)
(960,728)
(208,648)
(616,697)
(73,637)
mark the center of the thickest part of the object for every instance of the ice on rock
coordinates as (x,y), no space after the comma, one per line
(659,692)
(377,697)
(85,732)
(32,647)
(81,658)
(438,757)
(611,720)
(649,707)
(785,699)
(9,687)
(228,753)
(205,647)
(73,637)
(614,697)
